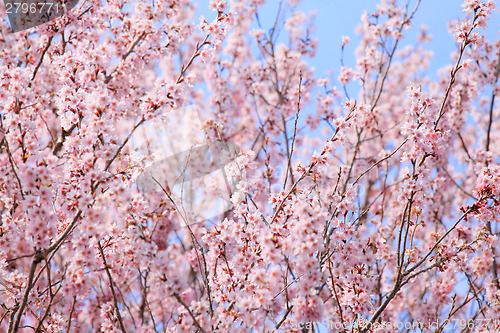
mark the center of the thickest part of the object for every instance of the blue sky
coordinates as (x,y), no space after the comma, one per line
(336,18)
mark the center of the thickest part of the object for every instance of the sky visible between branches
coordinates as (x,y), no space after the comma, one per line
(337,18)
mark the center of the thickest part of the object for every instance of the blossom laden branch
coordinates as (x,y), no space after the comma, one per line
(111,286)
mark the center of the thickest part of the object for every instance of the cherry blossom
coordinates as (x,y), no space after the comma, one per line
(353,199)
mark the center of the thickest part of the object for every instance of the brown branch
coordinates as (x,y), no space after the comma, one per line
(408,271)
(290,154)
(124,56)
(145,302)
(49,306)
(44,51)
(335,293)
(306,172)
(285,315)
(399,278)
(12,164)
(288,285)
(453,72)
(457,185)
(196,244)
(71,314)
(29,284)
(494,267)
(60,141)
(111,283)
(179,299)
(380,161)
(193,56)
(108,164)
(492,103)
(65,234)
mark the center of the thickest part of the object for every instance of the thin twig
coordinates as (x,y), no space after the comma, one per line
(289,165)
(179,299)
(285,315)
(124,56)
(193,56)
(44,51)
(111,283)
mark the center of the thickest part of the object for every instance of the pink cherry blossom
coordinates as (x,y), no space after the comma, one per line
(351,203)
